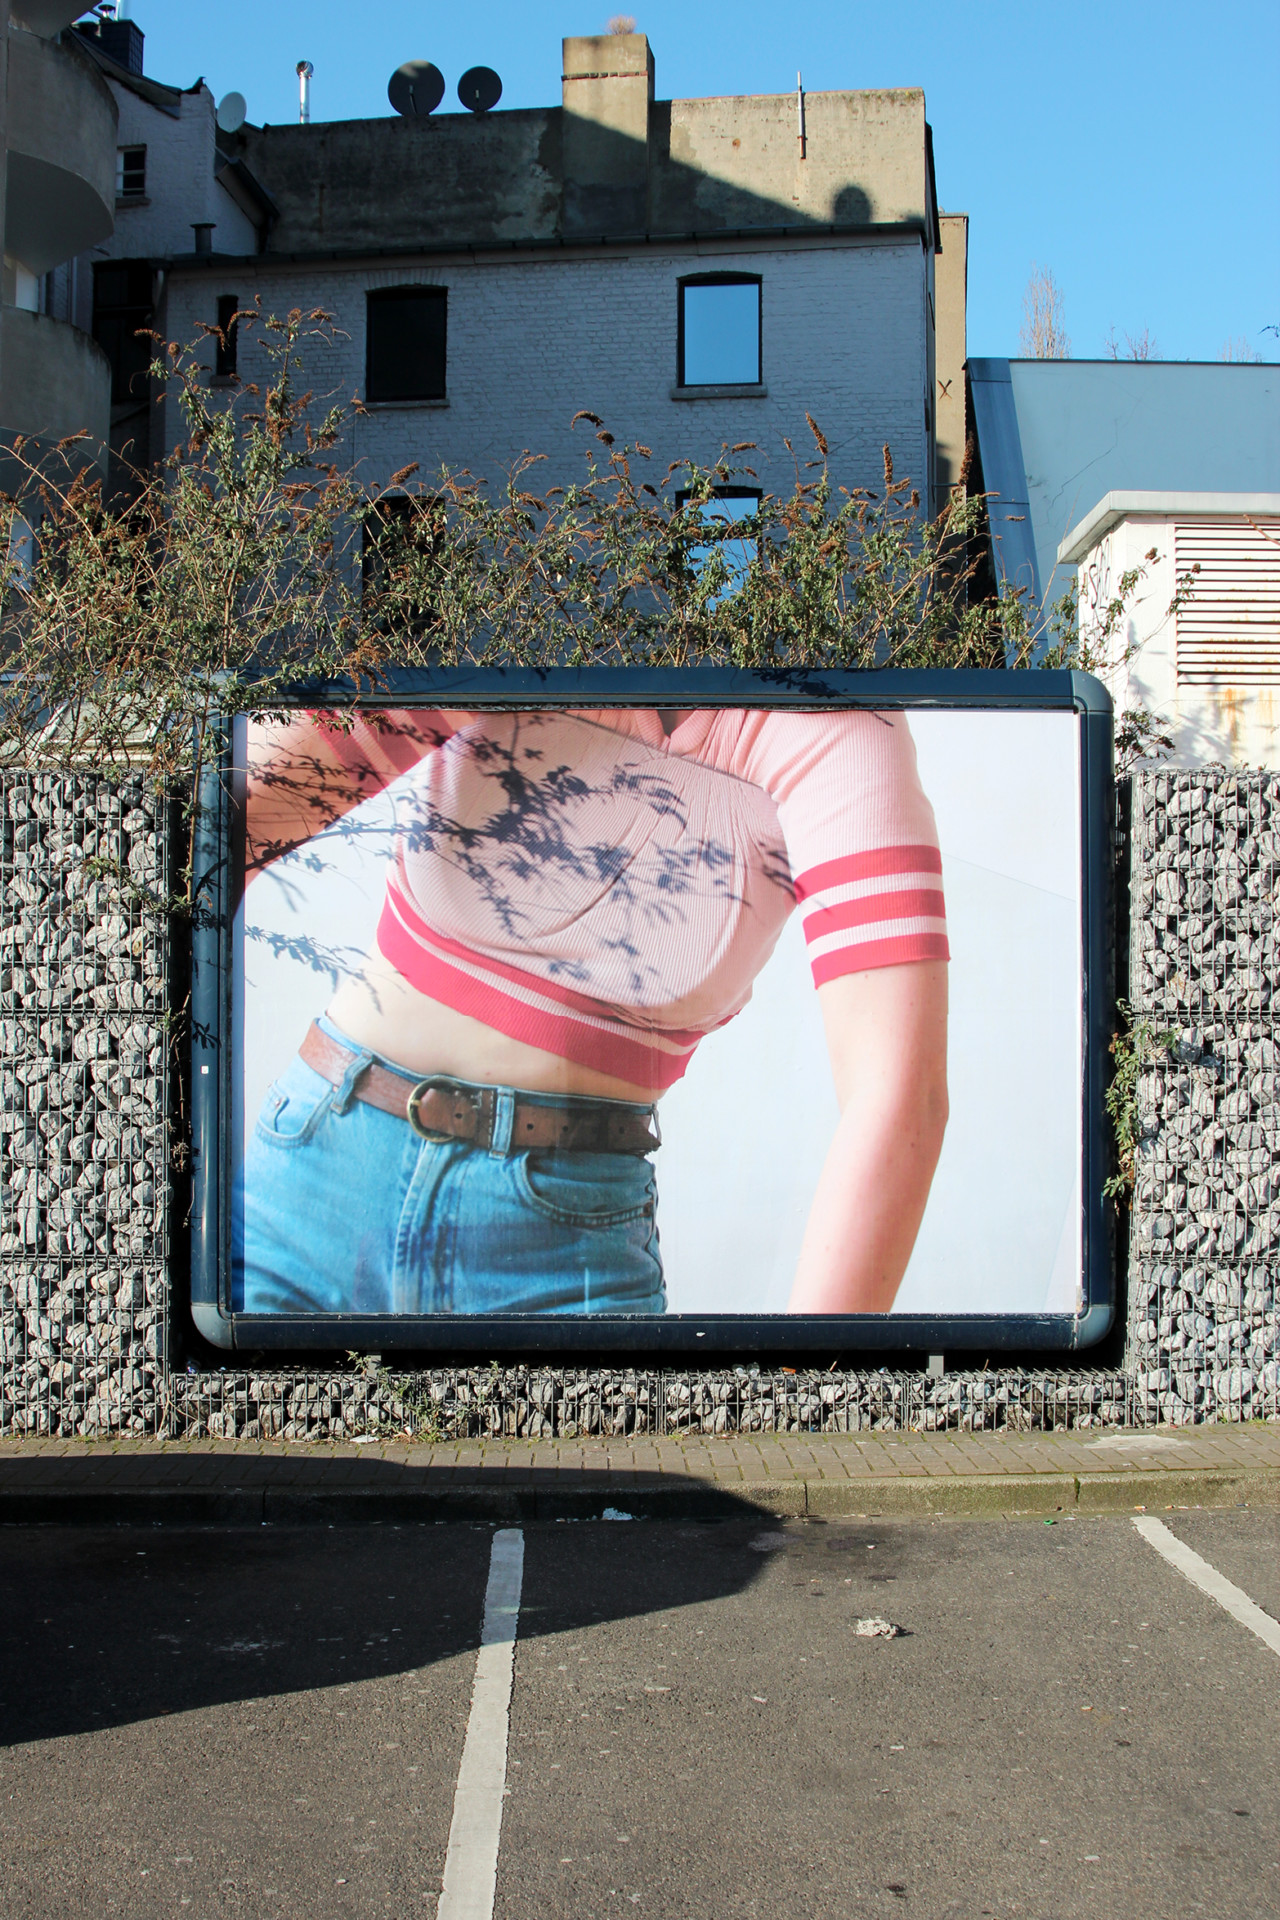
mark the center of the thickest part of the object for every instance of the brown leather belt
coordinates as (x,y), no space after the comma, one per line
(439,1108)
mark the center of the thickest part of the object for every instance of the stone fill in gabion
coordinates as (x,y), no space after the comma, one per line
(1205,1242)
(522,1403)
(84,1181)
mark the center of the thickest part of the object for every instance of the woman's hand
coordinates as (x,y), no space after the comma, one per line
(887,1036)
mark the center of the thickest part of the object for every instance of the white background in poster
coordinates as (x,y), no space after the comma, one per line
(1001,1231)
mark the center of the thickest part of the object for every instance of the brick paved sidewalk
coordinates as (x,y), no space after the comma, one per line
(232,1482)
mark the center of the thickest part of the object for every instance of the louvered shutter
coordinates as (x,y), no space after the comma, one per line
(1228,629)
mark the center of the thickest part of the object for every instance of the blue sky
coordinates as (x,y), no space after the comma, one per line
(1130,147)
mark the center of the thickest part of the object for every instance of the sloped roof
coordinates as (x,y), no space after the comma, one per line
(1056,435)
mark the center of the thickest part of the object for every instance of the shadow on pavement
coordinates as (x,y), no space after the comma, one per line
(212,1489)
(106,1626)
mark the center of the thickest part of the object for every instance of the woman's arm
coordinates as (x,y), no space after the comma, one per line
(887,1035)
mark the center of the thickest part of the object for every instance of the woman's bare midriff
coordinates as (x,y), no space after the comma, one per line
(380,1010)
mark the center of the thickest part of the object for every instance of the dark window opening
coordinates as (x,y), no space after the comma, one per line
(400,541)
(131,172)
(718,331)
(121,306)
(224,346)
(405,343)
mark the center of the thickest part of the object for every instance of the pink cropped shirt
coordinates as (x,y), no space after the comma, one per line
(588,885)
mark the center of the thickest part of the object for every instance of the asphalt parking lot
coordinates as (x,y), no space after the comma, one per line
(271,1721)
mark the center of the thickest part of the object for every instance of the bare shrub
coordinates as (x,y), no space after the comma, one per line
(1044,333)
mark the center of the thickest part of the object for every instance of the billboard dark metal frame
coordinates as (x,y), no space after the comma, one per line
(528,1335)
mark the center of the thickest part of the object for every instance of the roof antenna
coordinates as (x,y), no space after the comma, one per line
(305,71)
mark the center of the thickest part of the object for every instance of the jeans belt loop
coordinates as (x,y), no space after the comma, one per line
(346,1089)
(504,1120)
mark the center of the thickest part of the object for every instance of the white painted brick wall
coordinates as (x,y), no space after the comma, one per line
(532,340)
(180,185)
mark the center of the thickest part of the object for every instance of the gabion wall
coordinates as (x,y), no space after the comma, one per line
(83,1105)
(85,1187)
(1205,1245)
(564,1403)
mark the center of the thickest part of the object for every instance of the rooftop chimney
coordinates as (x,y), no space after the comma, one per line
(120,40)
(607,90)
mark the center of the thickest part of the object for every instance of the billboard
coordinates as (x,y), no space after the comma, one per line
(657,1011)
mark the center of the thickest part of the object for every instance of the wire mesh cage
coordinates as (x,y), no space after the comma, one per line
(555,1403)
(84,1078)
(1203,1341)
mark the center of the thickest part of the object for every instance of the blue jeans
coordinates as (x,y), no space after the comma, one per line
(345,1209)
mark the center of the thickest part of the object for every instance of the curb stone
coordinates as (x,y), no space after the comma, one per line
(683,1498)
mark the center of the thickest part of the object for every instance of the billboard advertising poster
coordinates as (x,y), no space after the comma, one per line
(636,1010)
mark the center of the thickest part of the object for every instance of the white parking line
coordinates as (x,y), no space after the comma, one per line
(471,1864)
(1209,1580)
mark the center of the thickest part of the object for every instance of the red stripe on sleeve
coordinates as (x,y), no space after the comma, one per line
(867,866)
(912,903)
(870,954)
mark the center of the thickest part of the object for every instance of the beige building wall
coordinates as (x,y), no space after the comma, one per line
(950,283)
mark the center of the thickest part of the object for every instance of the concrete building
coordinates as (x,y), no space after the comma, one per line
(58,155)
(697,272)
(1054,436)
(1199,642)
(175,186)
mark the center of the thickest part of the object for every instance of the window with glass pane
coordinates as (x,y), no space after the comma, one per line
(131,172)
(405,343)
(728,505)
(719,331)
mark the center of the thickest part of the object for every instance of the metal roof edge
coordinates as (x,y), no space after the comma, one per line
(1124,504)
(155,92)
(1004,475)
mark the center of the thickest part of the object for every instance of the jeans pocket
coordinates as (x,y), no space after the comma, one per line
(294,1107)
(587,1189)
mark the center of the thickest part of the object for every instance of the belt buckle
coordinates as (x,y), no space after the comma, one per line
(423,1087)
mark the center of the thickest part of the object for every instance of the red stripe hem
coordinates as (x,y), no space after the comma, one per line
(415,929)
(870,954)
(871,865)
(567,1038)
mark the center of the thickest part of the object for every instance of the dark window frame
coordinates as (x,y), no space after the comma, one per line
(124,190)
(755,280)
(395,511)
(381,383)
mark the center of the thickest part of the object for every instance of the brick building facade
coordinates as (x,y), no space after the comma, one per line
(561,236)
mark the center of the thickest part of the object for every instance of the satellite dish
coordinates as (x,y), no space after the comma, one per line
(416,87)
(479,89)
(231,112)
